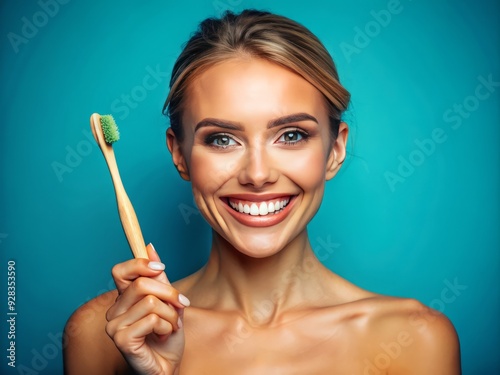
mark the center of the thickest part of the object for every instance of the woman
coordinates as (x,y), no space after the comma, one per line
(255,108)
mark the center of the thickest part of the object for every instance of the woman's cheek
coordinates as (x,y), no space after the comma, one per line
(211,171)
(307,169)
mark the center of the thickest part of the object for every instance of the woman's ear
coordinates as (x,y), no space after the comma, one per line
(175,149)
(337,152)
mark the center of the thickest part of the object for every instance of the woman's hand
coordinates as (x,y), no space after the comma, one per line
(146,320)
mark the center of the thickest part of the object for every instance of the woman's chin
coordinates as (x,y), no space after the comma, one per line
(258,246)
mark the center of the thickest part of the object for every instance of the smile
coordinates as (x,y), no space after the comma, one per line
(263,208)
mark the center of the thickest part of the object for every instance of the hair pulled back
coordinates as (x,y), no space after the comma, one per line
(261,35)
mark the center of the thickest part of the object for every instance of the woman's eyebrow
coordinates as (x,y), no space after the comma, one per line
(219,123)
(296,117)
(230,125)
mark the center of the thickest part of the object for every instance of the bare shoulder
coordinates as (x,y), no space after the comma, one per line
(408,337)
(87,347)
(400,313)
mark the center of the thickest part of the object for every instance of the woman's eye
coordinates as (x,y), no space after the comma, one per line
(220,140)
(294,136)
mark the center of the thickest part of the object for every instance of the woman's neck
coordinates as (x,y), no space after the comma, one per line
(261,289)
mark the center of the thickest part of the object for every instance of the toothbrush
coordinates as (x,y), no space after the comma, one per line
(105,132)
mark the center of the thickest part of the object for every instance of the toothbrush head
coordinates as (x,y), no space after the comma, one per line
(109,129)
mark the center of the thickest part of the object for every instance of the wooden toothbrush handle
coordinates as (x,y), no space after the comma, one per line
(129,221)
(126,211)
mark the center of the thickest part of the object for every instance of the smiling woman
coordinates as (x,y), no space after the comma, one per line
(255,107)
(278,148)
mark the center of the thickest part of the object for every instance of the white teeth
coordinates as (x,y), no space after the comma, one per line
(262,209)
(254,210)
(270,207)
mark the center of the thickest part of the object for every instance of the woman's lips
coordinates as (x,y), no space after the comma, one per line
(259,213)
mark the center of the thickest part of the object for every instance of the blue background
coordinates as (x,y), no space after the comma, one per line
(438,224)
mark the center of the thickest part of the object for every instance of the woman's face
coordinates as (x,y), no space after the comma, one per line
(258,151)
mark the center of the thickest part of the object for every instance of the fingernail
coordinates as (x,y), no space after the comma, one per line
(179,322)
(157,266)
(184,300)
(152,247)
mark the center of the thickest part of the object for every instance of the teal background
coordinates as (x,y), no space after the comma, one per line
(439,226)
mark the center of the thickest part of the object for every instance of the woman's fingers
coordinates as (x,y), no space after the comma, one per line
(152,254)
(154,257)
(145,322)
(149,305)
(131,338)
(125,273)
(141,288)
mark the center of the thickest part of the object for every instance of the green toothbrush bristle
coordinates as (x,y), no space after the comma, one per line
(109,129)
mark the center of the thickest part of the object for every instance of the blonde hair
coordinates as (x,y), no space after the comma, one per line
(263,35)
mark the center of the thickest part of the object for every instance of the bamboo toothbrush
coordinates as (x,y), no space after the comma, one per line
(105,133)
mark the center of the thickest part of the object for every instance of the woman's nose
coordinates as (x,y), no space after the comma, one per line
(257,169)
